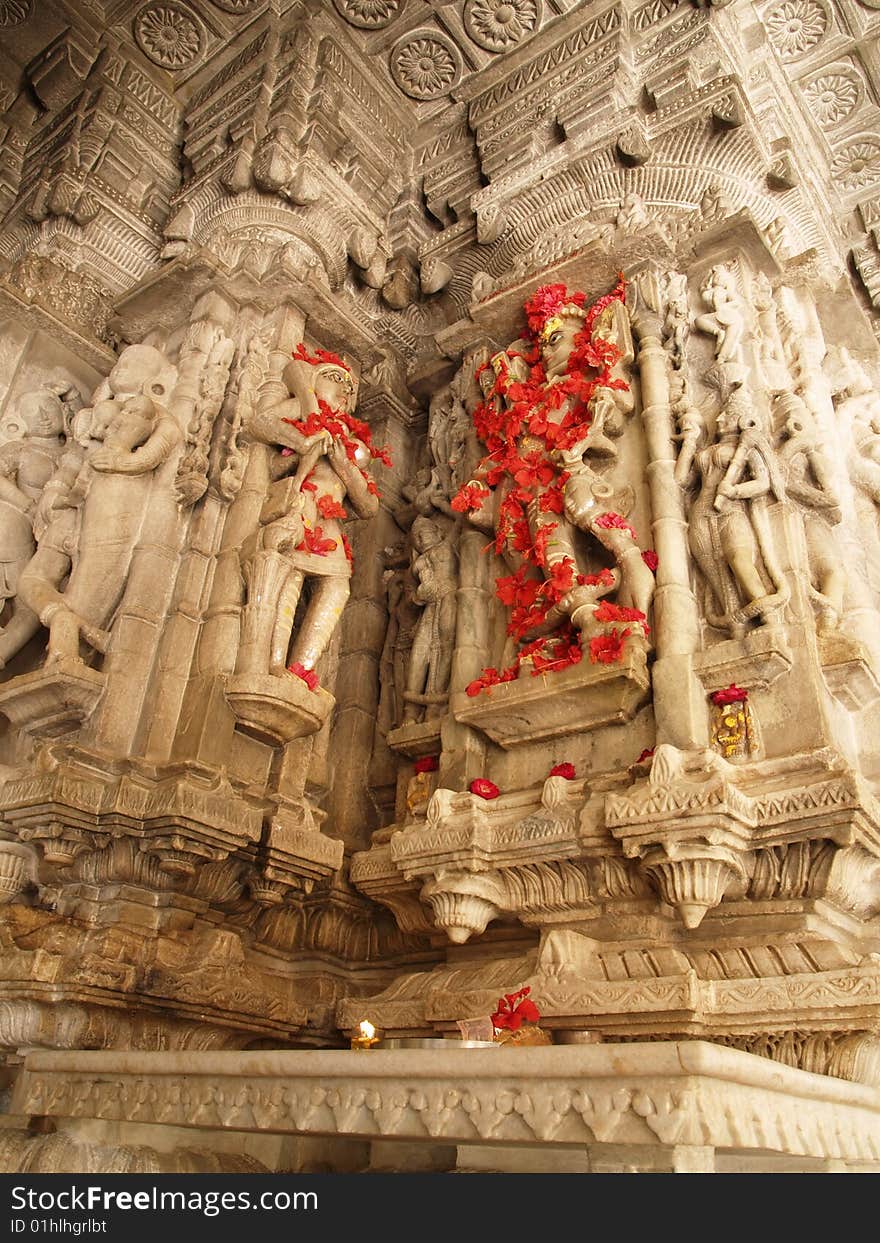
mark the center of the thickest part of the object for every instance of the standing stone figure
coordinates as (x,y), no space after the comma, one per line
(809,482)
(725,321)
(435,567)
(300,543)
(728,530)
(131,435)
(26,466)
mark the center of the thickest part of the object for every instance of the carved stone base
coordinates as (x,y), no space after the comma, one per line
(275,710)
(416,738)
(627,1103)
(581,698)
(53,700)
(848,672)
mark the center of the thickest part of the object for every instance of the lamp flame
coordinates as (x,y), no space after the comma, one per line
(366,1029)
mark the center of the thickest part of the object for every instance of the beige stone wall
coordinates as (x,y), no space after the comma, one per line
(201,849)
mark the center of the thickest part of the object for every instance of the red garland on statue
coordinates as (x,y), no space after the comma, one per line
(348,431)
(503,426)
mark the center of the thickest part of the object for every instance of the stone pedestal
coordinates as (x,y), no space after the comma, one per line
(277,710)
(582,698)
(54,700)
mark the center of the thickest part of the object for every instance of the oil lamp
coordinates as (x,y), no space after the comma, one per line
(366,1037)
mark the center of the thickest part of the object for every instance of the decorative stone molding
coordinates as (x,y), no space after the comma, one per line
(61,1154)
(14,12)
(576,700)
(236,6)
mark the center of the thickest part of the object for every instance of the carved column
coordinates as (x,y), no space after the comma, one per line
(679,700)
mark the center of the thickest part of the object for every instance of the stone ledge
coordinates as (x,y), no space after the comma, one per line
(680,1093)
(576,700)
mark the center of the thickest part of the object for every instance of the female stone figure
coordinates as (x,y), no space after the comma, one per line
(725,321)
(301,538)
(808,481)
(728,530)
(26,466)
(435,567)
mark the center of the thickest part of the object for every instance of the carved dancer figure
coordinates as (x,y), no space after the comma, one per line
(725,321)
(677,320)
(728,530)
(318,460)
(26,466)
(632,216)
(135,435)
(808,481)
(771,352)
(435,567)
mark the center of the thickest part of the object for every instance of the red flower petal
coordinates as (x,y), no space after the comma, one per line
(307,675)
(730,695)
(483,788)
(427,764)
(563,770)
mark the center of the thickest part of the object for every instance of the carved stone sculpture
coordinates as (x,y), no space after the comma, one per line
(567,444)
(435,566)
(729,532)
(809,482)
(317,462)
(725,321)
(26,466)
(132,434)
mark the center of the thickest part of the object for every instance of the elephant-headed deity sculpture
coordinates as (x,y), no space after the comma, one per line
(550,487)
(317,454)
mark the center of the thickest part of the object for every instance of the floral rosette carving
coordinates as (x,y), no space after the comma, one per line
(795,27)
(425,65)
(369,14)
(500,24)
(858,164)
(832,96)
(169,35)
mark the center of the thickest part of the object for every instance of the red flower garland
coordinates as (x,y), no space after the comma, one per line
(607,649)
(427,764)
(469,497)
(484,788)
(730,695)
(514,1009)
(516,408)
(314,541)
(329,507)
